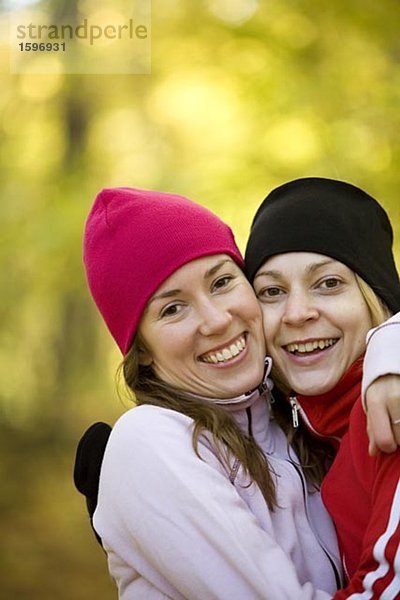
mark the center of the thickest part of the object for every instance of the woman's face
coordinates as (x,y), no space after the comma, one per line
(202,330)
(315,319)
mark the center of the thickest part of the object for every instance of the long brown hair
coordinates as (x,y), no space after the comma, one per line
(231,443)
(316,455)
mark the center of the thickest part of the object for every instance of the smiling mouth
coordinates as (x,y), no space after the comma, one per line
(225,354)
(302,348)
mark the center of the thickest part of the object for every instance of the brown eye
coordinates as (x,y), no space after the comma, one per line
(273,291)
(222,282)
(171,310)
(331,282)
(269,293)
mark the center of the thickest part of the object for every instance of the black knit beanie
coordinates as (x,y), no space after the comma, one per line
(328,217)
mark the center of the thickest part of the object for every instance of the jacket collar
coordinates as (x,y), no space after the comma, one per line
(329,413)
(248,398)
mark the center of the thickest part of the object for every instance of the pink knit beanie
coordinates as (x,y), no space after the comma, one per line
(134,240)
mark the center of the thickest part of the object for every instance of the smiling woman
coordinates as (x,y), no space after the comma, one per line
(315,319)
(320,257)
(200,495)
(202,331)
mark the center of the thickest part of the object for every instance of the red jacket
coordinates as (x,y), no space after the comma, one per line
(362,493)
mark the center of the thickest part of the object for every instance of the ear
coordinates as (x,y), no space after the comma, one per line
(145,358)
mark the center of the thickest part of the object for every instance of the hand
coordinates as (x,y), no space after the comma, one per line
(382,401)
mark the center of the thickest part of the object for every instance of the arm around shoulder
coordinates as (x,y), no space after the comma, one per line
(382,355)
(381,386)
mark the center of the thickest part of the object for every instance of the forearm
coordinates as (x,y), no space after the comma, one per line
(382,355)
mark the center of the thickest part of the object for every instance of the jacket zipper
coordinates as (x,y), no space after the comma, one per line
(296,410)
(336,571)
(250,421)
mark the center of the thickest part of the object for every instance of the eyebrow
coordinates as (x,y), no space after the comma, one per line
(209,273)
(163,295)
(309,270)
(213,270)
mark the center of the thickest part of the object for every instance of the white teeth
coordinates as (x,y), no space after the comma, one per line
(226,353)
(310,346)
(234,350)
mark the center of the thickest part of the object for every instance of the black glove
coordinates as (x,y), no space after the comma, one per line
(88,460)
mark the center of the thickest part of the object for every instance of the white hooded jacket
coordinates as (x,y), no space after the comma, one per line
(177,526)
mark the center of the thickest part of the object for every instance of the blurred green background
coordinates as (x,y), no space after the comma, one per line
(243,96)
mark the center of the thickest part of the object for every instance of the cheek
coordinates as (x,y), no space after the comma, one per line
(256,314)
(358,322)
(270,324)
(248,304)
(168,361)
(164,347)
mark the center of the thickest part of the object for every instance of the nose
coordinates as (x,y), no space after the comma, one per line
(299,308)
(214,318)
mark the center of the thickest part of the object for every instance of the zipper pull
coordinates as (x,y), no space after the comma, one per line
(295,410)
(263,387)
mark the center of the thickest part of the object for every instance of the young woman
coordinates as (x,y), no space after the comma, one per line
(320,259)
(200,496)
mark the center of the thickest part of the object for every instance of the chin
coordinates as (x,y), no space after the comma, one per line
(313,389)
